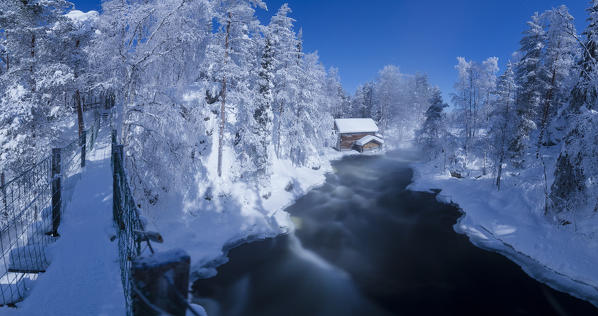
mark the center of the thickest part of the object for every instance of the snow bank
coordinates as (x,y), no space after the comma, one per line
(511,222)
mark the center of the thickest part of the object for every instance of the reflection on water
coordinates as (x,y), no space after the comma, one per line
(367,246)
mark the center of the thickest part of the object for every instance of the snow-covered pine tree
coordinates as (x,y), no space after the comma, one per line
(430,136)
(286,66)
(574,185)
(531,78)
(263,115)
(360,106)
(560,54)
(585,92)
(315,108)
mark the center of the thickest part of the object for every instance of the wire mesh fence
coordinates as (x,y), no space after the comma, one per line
(30,208)
(134,243)
(128,222)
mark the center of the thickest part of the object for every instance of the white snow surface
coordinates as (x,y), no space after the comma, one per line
(84,276)
(511,222)
(356,125)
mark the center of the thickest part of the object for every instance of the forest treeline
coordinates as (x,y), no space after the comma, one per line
(539,114)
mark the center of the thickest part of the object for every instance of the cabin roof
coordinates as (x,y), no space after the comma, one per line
(366,139)
(356,125)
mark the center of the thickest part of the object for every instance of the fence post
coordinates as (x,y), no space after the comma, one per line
(83,144)
(117,165)
(160,283)
(3,183)
(56,190)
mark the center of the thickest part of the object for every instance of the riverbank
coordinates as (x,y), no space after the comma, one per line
(511,222)
(210,220)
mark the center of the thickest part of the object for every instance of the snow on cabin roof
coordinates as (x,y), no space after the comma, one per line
(367,139)
(356,125)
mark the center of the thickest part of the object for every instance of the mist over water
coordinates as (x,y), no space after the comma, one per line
(367,246)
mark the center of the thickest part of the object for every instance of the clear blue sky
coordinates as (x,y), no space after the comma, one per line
(360,37)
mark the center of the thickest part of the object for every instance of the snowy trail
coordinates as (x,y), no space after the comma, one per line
(84,276)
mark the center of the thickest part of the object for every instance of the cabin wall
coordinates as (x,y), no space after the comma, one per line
(347,140)
(369,146)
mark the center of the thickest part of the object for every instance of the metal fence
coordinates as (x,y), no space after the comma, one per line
(133,243)
(128,222)
(30,208)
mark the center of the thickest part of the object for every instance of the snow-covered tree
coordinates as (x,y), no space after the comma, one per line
(35,77)
(147,53)
(472,98)
(531,76)
(501,120)
(285,47)
(576,168)
(559,60)
(387,93)
(362,101)
(574,185)
(431,135)
(585,92)
(263,115)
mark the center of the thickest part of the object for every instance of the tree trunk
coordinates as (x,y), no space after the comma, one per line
(277,133)
(499,172)
(32,58)
(79,109)
(223,103)
(502,147)
(546,110)
(78,106)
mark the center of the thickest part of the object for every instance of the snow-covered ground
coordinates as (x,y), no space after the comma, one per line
(512,222)
(84,275)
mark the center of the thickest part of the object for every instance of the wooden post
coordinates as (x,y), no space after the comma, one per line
(112,144)
(113,138)
(160,283)
(3,183)
(117,165)
(83,143)
(56,190)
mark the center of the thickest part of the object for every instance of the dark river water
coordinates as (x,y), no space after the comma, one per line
(367,246)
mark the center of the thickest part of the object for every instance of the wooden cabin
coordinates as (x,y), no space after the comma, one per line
(353,130)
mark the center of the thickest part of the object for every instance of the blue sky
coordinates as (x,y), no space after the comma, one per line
(360,37)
